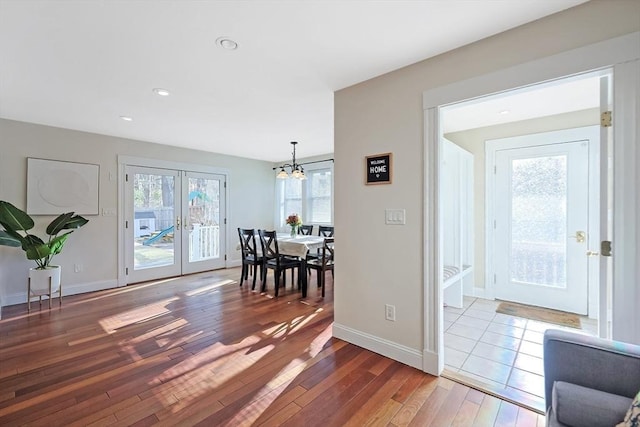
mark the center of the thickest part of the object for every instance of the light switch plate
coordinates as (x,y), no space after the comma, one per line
(394,216)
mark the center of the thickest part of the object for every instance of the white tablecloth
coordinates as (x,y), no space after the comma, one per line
(299,245)
(294,246)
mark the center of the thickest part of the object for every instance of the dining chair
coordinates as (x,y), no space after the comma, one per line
(306,230)
(250,255)
(324,263)
(277,262)
(325,230)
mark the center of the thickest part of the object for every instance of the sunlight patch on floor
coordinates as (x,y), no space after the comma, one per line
(209,287)
(137,315)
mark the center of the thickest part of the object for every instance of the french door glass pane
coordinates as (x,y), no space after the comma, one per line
(539,221)
(204,219)
(154,214)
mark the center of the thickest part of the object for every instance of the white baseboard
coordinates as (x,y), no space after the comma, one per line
(482,293)
(430,363)
(234,263)
(78,288)
(392,350)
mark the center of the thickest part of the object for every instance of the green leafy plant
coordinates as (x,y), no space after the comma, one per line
(17,223)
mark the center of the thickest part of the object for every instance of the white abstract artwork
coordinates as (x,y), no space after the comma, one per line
(54,187)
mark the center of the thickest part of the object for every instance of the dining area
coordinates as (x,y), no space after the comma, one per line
(307,249)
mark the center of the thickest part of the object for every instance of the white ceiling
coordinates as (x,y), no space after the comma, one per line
(83,64)
(545,99)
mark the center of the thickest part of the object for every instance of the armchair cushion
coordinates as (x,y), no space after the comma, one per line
(574,405)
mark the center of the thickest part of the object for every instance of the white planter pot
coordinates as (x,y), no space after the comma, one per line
(40,279)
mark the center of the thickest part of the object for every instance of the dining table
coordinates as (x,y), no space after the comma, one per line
(297,246)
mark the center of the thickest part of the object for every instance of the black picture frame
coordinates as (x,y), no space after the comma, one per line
(378,169)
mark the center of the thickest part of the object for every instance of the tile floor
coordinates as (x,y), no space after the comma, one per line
(498,350)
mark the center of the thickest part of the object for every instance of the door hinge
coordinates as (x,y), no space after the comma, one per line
(605,119)
(225,184)
(126,271)
(126,177)
(605,248)
(225,221)
(126,224)
(225,257)
(495,170)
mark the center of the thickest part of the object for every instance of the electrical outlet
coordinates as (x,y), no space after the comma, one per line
(390,312)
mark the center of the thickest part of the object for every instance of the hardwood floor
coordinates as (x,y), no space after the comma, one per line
(199,350)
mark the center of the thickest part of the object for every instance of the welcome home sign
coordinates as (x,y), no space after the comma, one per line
(378,169)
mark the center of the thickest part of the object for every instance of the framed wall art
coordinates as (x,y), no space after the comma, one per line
(378,169)
(54,187)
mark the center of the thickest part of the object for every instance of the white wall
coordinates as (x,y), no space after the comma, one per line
(473,140)
(250,202)
(379,264)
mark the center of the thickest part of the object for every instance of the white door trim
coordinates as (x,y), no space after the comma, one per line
(614,52)
(125,160)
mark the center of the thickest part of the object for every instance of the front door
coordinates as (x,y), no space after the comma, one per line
(541,224)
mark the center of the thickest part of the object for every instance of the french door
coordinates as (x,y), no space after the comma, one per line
(541,226)
(174,222)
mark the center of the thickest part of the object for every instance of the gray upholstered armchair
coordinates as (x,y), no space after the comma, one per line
(589,381)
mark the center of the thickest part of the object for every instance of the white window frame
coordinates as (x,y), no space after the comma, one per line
(279,215)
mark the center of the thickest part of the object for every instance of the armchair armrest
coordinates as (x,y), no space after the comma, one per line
(591,362)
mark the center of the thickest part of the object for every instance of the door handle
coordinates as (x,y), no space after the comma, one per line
(580,236)
(592,253)
(177,222)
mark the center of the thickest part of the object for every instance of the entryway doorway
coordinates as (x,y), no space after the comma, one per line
(174,222)
(532,225)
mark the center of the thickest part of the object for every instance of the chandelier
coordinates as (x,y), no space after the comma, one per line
(296,170)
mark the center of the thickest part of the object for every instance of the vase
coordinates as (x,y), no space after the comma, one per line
(41,278)
(294,230)
(44,281)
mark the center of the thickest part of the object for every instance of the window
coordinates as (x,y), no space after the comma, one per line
(318,196)
(311,198)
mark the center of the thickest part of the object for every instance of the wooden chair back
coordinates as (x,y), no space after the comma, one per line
(306,230)
(325,230)
(269,243)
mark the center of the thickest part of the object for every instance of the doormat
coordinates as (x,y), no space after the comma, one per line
(538,313)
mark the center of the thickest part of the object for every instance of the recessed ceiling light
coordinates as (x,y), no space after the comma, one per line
(503,112)
(161,92)
(226,43)
(126,118)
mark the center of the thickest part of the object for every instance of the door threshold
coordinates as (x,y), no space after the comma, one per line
(523,400)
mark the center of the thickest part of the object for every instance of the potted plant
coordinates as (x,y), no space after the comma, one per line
(17,223)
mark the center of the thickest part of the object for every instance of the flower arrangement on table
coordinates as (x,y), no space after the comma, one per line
(294,221)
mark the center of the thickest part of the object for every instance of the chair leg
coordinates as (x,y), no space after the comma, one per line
(264,279)
(323,280)
(255,271)
(244,266)
(276,278)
